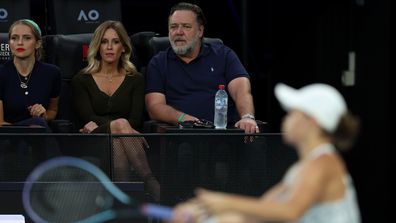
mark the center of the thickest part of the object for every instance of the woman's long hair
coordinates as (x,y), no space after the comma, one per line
(94,58)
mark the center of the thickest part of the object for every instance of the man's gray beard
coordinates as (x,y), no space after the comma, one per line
(181,51)
(184,50)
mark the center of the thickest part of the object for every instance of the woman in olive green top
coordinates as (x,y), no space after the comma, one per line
(109,98)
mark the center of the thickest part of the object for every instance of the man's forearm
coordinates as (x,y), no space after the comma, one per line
(244,104)
(164,113)
(239,89)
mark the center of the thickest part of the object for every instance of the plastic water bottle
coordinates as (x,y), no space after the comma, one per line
(221,105)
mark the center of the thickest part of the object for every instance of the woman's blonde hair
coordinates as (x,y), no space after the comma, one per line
(94,58)
(36,33)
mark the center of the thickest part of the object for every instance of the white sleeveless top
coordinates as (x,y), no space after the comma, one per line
(344,210)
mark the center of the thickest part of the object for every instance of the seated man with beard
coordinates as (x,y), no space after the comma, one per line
(181,81)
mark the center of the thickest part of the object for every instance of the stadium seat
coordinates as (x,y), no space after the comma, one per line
(146,44)
(141,52)
(158,44)
(69,53)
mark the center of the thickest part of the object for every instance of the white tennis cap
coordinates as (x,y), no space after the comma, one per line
(320,101)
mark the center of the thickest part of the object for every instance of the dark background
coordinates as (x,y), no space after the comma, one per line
(301,42)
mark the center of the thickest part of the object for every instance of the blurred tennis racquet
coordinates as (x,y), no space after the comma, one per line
(68,189)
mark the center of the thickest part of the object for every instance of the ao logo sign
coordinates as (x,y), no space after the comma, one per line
(92,15)
(3,13)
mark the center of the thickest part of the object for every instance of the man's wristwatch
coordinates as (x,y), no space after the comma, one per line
(248,115)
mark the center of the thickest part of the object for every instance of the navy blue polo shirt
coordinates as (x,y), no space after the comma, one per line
(44,84)
(191,87)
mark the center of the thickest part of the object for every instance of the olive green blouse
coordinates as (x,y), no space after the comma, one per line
(92,104)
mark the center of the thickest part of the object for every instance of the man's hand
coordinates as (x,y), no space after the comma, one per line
(188,117)
(248,124)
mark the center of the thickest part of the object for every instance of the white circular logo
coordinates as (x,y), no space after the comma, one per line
(93,14)
(3,13)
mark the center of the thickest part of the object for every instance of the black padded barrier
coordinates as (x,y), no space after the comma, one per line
(250,168)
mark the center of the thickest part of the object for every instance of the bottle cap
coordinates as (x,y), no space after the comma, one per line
(221,86)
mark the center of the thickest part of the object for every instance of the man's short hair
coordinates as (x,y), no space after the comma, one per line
(190,7)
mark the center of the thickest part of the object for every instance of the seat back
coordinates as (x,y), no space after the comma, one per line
(141,54)
(12,10)
(76,16)
(147,44)
(69,53)
(5,52)
(158,44)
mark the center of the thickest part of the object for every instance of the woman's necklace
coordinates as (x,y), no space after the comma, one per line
(109,78)
(24,81)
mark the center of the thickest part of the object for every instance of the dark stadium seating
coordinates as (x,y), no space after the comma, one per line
(69,53)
